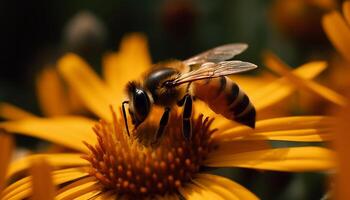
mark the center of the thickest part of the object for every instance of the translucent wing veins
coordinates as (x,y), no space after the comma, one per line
(213,70)
(217,54)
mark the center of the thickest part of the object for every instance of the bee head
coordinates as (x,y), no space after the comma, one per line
(140,104)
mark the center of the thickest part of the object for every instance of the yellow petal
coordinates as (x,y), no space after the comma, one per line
(338,32)
(79,188)
(250,84)
(51,93)
(66,131)
(302,135)
(226,188)
(55,160)
(281,88)
(294,159)
(42,183)
(278,66)
(109,195)
(304,128)
(194,192)
(70,173)
(325,92)
(22,188)
(346,11)
(238,146)
(11,112)
(6,146)
(342,147)
(89,195)
(128,64)
(94,93)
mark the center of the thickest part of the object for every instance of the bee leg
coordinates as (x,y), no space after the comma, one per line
(188,87)
(124,116)
(186,117)
(162,124)
(182,101)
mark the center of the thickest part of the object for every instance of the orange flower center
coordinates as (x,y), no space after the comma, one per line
(128,167)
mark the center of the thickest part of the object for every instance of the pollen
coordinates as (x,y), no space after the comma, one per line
(128,167)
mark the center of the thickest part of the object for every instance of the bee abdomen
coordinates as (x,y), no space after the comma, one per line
(240,107)
(226,98)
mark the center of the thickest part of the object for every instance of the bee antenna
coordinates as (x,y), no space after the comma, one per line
(124,116)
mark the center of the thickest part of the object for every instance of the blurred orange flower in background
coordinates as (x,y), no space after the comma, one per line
(337,28)
(300,19)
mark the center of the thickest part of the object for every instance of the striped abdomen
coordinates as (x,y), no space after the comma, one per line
(225,97)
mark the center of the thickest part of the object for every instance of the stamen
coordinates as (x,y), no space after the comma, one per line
(123,164)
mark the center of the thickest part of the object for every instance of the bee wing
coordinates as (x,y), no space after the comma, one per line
(213,70)
(217,54)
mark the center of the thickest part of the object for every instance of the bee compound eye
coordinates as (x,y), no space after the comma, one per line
(141,104)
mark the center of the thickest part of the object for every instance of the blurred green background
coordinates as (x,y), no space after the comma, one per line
(35,33)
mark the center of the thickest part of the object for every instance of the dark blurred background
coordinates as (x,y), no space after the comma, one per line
(35,33)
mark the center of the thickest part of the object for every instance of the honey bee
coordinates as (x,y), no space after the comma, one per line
(202,77)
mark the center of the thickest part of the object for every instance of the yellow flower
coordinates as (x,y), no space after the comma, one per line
(337,29)
(342,139)
(111,165)
(300,19)
(278,66)
(53,97)
(6,149)
(336,26)
(41,179)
